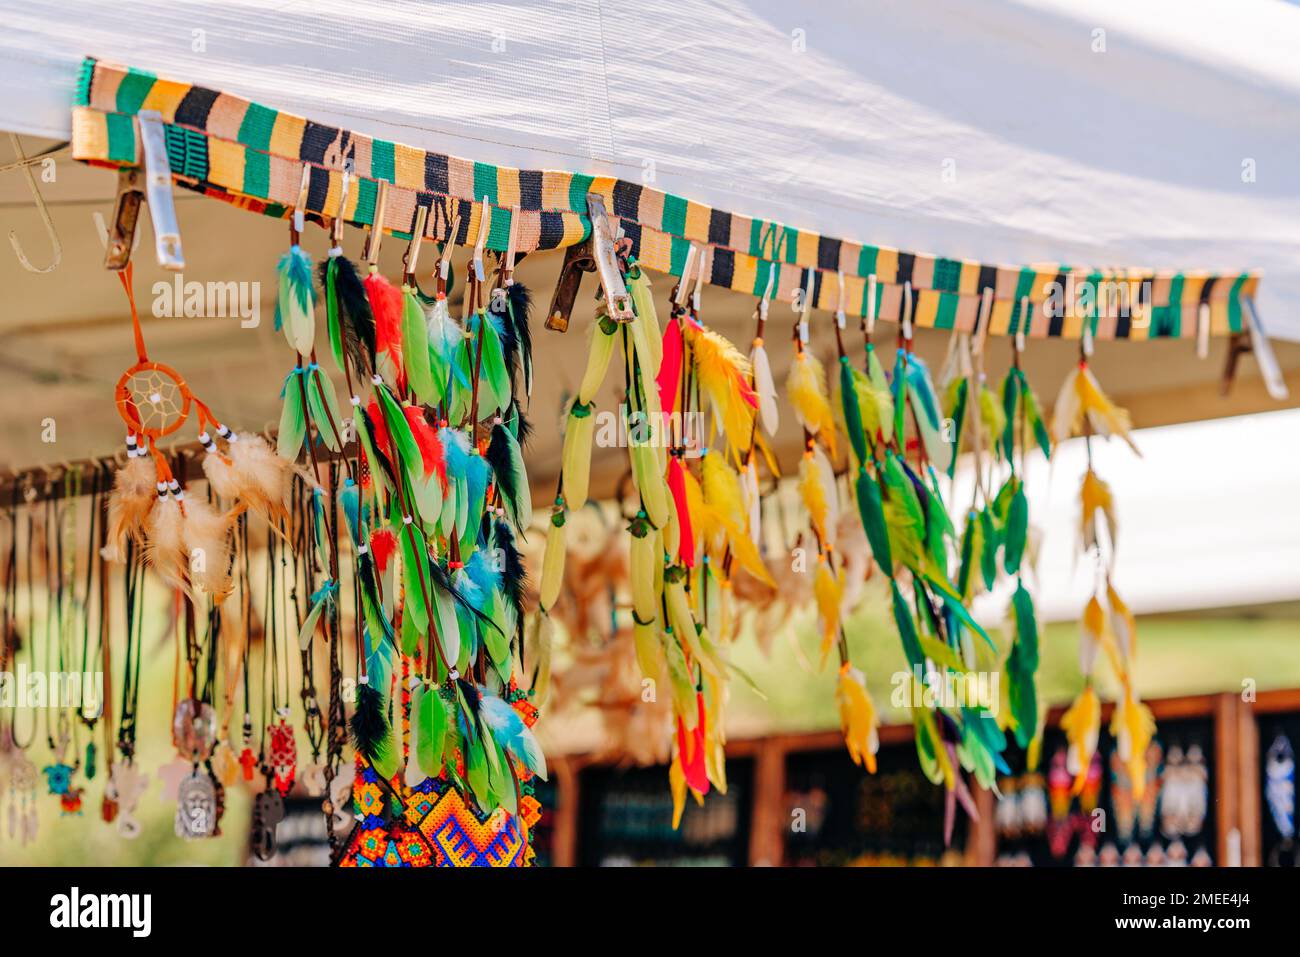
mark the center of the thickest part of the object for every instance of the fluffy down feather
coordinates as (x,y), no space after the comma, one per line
(805,387)
(252,475)
(205,535)
(164,549)
(725,375)
(133,495)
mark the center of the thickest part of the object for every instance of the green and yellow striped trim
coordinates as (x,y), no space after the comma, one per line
(253,156)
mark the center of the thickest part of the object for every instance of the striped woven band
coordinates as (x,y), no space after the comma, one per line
(253,156)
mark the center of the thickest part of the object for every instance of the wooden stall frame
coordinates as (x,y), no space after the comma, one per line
(1236,784)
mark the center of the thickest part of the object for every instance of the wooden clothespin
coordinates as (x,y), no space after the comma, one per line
(1203,330)
(869,321)
(376,234)
(985,320)
(683,284)
(905,320)
(1026,320)
(806,304)
(412,255)
(705,265)
(508,263)
(336,225)
(444,259)
(841,317)
(298,219)
(480,241)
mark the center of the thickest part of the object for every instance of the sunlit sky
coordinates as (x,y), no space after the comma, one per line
(1209,517)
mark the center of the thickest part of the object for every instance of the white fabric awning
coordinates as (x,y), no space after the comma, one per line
(1104,134)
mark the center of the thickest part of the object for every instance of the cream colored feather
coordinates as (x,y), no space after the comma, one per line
(252,476)
(765,388)
(805,387)
(1080,398)
(205,536)
(134,494)
(165,544)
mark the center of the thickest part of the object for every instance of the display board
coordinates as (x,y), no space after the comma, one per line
(1041,823)
(1279,735)
(626,819)
(836,815)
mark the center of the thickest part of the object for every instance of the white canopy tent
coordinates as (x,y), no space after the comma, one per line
(1106,134)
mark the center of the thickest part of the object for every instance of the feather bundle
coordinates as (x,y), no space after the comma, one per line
(295,308)
(1081,398)
(724,375)
(252,475)
(205,537)
(1123,624)
(134,493)
(805,388)
(164,549)
(352,326)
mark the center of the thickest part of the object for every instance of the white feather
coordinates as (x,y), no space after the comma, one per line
(765,387)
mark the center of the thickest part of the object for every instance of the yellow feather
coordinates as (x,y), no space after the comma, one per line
(723,372)
(1095,498)
(1133,726)
(805,387)
(1105,417)
(1082,726)
(858,719)
(813,493)
(677,785)
(828,590)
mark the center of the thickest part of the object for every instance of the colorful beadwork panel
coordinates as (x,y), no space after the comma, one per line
(253,156)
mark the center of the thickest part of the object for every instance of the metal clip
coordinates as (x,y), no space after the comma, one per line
(618,302)
(122,238)
(158,190)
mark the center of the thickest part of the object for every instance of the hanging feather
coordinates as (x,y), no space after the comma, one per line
(322,405)
(818,496)
(669,377)
(724,375)
(686,528)
(852,407)
(646,323)
(494,379)
(600,348)
(370,731)
(871,510)
(1081,398)
(387,307)
(511,733)
(205,539)
(415,349)
(1022,667)
(575,469)
(1017,530)
(252,475)
(295,308)
(1082,726)
(164,549)
(507,463)
(858,721)
(1123,624)
(1096,502)
(552,562)
(828,591)
(133,496)
(351,325)
(764,387)
(445,341)
(293,417)
(647,476)
(514,576)
(805,388)
(433,720)
(519,303)
(1133,726)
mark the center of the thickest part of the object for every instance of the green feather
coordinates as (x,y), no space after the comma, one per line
(900,397)
(906,628)
(958,390)
(1010,400)
(1017,530)
(873,520)
(431,715)
(852,411)
(415,349)
(988,548)
(415,561)
(323,408)
(293,423)
(332,309)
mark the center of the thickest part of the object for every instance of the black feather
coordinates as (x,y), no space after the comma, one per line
(389,472)
(499,458)
(369,724)
(521,303)
(356,320)
(514,576)
(443,580)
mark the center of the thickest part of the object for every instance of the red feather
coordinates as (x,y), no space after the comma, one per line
(386,305)
(746,391)
(670,367)
(379,429)
(690,751)
(382,545)
(430,447)
(677,485)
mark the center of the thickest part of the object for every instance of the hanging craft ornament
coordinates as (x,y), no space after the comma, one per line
(1082,408)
